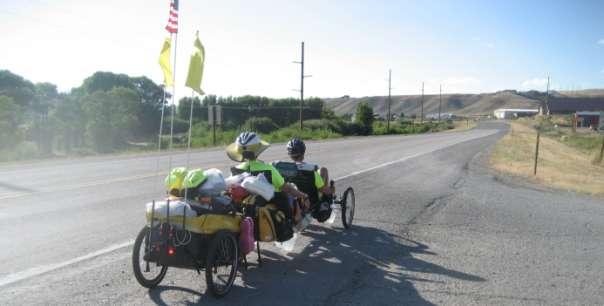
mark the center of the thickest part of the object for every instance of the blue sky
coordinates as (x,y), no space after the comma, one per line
(468,46)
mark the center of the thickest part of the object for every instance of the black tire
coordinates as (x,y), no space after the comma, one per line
(222,253)
(156,272)
(348,205)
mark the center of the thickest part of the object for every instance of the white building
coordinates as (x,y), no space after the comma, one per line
(510,113)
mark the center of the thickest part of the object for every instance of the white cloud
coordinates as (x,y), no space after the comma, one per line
(535,83)
(490,45)
(601,42)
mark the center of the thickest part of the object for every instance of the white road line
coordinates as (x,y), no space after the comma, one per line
(379,166)
(25,274)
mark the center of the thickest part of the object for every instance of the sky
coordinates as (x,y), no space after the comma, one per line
(465,46)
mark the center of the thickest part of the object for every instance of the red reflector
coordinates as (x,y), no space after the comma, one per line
(171,251)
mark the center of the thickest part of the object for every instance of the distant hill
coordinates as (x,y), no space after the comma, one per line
(459,104)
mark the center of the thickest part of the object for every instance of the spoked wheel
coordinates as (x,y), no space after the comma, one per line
(348,202)
(148,274)
(221,264)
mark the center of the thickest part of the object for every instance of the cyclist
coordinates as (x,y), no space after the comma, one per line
(246,149)
(309,178)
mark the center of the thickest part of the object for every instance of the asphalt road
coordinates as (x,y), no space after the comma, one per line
(431,227)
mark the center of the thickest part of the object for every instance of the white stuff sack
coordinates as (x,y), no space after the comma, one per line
(260,186)
(236,180)
(214,183)
(177,209)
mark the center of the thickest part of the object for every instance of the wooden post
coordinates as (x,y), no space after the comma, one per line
(536,151)
(599,160)
(574,123)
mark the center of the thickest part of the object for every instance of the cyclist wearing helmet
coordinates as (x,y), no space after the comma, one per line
(308,177)
(246,149)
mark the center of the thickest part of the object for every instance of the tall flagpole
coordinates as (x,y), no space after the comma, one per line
(161,129)
(173,108)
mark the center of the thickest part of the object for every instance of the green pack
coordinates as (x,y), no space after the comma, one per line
(174,182)
(194,178)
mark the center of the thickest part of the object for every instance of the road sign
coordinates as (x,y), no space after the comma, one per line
(211,114)
(218,115)
(215,113)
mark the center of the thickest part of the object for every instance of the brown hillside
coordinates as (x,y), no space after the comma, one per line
(459,104)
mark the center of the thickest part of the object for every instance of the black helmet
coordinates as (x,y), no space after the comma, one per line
(296,147)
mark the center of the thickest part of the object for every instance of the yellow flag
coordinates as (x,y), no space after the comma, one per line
(164,63)
(196,66)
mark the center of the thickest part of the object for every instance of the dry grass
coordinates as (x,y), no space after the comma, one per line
(559,165)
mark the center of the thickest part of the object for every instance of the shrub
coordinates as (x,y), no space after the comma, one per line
(261,125)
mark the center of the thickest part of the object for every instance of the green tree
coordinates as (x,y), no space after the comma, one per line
(364,117)
(111,118)
(184,109)
(19,89)
(69,120)
(262,125)
(9,114)
(151,101)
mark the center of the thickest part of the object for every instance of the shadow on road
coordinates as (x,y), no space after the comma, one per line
(360,266)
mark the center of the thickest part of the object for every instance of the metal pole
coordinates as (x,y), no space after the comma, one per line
(536,151)
(301,85)
(214,125)
(547,96)
(389,97)
(173,101)
(440,101)
(421,120)
(161,128)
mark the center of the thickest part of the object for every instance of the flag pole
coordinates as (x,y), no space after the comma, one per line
(173,108)
(161,129)
(189,137)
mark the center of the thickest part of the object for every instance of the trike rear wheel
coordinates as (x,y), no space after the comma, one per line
(221,263)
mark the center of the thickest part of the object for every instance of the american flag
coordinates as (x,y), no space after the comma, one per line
(172,26)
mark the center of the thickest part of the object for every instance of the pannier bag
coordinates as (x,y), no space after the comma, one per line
(273,225)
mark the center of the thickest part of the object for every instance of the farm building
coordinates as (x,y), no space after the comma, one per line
(589,119)
(510,113)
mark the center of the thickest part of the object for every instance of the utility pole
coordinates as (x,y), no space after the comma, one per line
(421,120)
(440,101)
(302,77)
(547,96)
(389,98)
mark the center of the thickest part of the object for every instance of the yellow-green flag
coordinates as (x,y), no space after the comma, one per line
(196,66)
(164,62)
